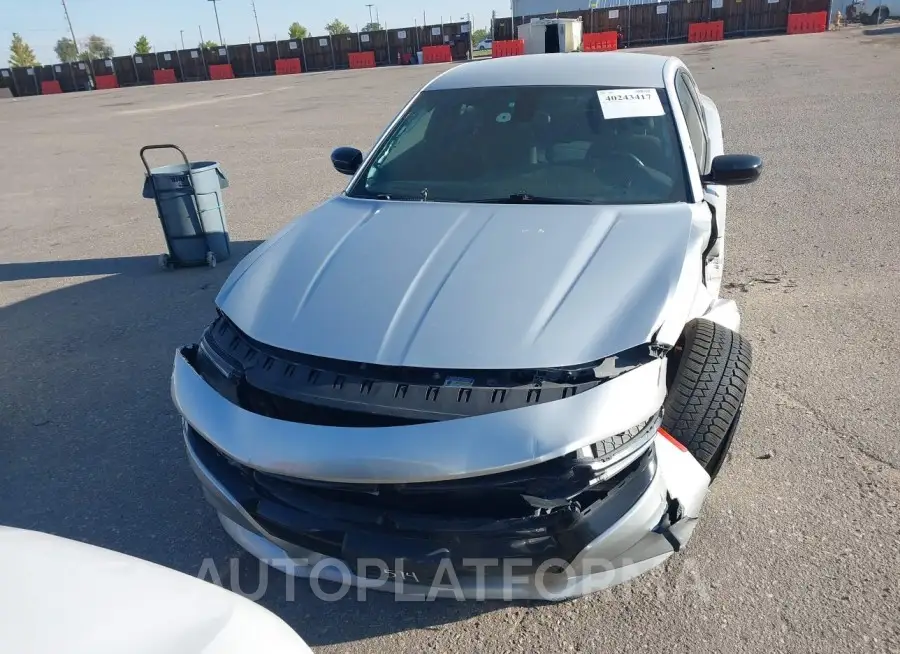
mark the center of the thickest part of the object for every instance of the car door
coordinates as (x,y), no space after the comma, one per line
(714,196)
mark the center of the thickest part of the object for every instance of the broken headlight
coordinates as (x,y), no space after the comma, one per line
(615,453)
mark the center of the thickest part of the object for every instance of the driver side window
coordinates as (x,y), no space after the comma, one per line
(694,120)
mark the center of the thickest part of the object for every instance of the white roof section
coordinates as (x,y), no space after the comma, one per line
(617,69)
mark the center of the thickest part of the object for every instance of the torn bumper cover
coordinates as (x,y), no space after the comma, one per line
(566,525)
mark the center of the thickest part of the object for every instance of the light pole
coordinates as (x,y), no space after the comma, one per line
(219,27)
(370,13)
(256,18)
(182,39)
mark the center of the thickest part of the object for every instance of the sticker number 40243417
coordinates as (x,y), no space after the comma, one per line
(630,103)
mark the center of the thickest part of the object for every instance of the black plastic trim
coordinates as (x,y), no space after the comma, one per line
(315,390)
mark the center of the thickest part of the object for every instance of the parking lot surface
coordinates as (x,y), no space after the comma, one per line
(799,546)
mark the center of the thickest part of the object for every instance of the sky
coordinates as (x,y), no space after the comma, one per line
(42,22)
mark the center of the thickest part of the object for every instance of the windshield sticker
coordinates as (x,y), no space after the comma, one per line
(505,117)
(630,103)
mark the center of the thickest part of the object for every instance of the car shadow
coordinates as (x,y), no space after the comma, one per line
(882,31)
(131,266)
(90,444)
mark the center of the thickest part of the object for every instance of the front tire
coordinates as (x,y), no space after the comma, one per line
(706,393)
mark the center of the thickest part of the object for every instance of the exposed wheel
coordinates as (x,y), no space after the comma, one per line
(165,262)
(210,260)
(706,391)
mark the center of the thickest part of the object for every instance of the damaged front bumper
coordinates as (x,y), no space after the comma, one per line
(504,534)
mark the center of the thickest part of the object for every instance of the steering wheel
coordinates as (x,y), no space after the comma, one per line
(621,164)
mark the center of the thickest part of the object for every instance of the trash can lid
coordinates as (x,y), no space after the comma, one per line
(180,169)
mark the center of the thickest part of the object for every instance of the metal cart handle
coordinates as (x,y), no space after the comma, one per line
(166,146)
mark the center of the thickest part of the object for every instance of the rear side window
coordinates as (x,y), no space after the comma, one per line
(693,119)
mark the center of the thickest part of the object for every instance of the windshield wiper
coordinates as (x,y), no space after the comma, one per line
(393,196)
(525,198)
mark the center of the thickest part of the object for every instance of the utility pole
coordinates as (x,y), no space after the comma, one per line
(90,68)
(69,21)
(182,39)
(200,29)
(256,18)
(219,27)
(370,13)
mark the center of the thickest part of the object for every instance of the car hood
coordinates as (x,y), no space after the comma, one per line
(60,595)
(443,285)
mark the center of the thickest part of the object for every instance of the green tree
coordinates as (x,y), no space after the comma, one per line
(66,50)
(209,45)
(96,47)
(142,46)
(297,31)
(20,53)
(372,27)
(337,27)
(480,35)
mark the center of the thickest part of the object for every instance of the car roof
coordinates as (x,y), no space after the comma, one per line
(617,69)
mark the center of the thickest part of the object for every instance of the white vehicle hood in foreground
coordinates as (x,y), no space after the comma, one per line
(59,596)
(444,285)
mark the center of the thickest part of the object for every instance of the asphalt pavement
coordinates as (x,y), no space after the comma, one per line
(799,546)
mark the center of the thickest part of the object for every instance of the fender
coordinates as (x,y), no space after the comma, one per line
(690,297)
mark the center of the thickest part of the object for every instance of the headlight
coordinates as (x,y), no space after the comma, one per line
(217,369)
(615,453)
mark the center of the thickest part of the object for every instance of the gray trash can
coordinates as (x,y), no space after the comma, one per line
(189,203)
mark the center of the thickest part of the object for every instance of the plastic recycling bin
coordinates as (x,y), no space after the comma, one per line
(188,199)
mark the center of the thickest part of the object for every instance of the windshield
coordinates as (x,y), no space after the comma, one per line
(579,145)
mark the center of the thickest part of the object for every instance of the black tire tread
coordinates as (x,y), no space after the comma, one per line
(708,390)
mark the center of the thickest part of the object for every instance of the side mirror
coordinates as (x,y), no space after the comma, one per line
(733,169)
(346,160)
